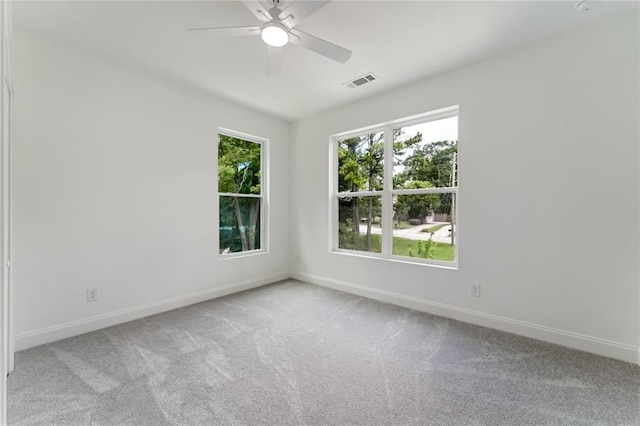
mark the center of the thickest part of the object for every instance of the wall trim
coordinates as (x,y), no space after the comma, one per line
(86,325)
(570,339)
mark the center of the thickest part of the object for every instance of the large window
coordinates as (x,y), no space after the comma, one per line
(396,187)
(241,191)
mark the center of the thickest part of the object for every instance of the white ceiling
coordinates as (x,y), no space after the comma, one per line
(399,41)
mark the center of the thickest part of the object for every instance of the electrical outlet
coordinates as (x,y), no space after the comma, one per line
(475,290)
(92,294)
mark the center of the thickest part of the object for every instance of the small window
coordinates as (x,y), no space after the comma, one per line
(396,189)
(241,193)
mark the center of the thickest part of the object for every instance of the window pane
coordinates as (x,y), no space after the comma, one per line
(360,163)
(359,226)
(424,227)
(238,166)
(425,155)
(239,224)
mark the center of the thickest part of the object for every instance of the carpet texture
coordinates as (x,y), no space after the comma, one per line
(295,353)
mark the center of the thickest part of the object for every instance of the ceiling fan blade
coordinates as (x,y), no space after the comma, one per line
(299,10)
(258,10)
(274,60)
(224,31)
(321,47)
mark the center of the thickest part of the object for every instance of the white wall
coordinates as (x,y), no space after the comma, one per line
(115,188)
(121,195)
(6,356)
(548,203)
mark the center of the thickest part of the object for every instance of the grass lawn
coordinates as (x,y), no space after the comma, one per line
(442,251)
(402,225)
(435,228)
(401,246)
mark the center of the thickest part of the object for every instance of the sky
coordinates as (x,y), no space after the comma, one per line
(433,131)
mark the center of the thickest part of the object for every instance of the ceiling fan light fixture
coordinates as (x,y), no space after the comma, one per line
(274,35)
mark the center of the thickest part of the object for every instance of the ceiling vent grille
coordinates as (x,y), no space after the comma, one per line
(357,82)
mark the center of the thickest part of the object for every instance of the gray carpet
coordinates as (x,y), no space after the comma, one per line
(295,353)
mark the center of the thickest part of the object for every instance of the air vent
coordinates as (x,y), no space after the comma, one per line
(367,78)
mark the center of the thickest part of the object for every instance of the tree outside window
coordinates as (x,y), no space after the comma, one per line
(418,193)
(240,192)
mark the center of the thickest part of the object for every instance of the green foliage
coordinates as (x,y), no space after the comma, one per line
(372,204)
(239,172)
(424,249)
(402,225)
(417,206)
(423,165)
(238,166)
(360,163)
(352,178)
(348,238)
(360,168)
(441,251)
(239,228)
(401,246)
(432,162)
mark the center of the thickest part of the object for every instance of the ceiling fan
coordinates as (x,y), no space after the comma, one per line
(278,27)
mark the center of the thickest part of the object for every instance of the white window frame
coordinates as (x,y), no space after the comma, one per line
(264,192)
(388,192)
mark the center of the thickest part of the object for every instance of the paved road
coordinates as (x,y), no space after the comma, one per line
(415,233)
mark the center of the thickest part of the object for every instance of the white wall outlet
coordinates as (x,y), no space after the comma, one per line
(92,294)
(475,290)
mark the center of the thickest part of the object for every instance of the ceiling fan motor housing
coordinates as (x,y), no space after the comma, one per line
(275,34)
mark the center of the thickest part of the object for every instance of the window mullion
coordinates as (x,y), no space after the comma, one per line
(387,196)
(334,216)
(359,194)
(418,191)
(239,195)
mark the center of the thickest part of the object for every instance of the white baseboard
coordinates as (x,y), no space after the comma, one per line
(74,328)
(582,342)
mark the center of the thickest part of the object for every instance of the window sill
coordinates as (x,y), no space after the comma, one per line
(398,259)
(242,254)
